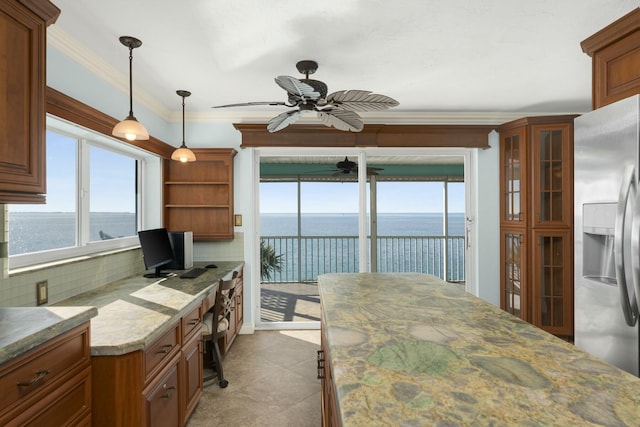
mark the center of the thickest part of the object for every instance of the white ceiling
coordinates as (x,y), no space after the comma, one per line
(459,60)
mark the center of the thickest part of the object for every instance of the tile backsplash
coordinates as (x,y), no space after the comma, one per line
(87,273)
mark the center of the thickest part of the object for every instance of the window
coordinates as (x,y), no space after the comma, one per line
(92,199)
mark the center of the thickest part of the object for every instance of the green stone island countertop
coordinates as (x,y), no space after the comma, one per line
(411,350)
(24,328)
(133,312)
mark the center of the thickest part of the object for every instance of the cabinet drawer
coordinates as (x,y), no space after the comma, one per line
(160,351)
(191,322)
(66,405)
(43,365)
(162,404)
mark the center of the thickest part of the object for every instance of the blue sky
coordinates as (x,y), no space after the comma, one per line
(112,179)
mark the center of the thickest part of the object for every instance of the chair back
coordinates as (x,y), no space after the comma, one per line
(223,306)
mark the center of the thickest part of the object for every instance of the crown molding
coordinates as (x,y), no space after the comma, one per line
(71,48)
(386,117)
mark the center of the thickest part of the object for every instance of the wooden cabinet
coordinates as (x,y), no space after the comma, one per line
(236,318)
(536,221)
(192,366)
(191,362)
(198,196)
(161,398)
(157,386)
(615,53)
(50,384)
(327,396)
(23,28)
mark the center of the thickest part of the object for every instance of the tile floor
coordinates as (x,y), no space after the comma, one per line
(272,382)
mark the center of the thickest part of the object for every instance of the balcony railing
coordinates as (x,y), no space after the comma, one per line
(306,257)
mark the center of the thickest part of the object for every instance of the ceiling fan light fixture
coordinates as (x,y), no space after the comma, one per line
(338,109)
(130,128)
(182,153)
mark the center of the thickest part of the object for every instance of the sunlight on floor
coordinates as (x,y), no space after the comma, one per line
(312,337)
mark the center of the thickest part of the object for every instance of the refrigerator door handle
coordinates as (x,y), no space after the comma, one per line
(629,308)
(635,252)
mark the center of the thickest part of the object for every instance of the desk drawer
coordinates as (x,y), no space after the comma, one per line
(23,377)
(160,351)
(191,322)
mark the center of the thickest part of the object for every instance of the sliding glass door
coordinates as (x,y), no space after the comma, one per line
(324,214)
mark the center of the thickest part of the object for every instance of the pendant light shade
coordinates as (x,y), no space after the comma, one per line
(183,154)
(130,128)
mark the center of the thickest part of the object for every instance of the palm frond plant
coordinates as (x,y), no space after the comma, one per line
(270,262)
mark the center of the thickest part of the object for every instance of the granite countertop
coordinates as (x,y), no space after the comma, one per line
(24,328)
(133,312)
(410,349)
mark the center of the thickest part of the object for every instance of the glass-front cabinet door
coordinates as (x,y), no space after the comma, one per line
(552,180)
(513,177)
(552,272)
(513,298)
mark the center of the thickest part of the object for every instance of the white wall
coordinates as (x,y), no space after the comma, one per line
(487,222)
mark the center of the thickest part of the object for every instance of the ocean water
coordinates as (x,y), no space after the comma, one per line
(40,231)
(328,244)
(421,224)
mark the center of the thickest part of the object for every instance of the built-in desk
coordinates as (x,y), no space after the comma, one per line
(146,349)
(410,349)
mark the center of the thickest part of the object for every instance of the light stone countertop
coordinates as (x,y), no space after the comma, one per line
(410,349)
(133,312)
(24,328)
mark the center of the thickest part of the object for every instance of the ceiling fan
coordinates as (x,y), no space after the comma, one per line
(338,109)
(347,167)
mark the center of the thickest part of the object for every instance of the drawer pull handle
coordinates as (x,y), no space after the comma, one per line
(166,348)
(320,368)
(194,322)
(169,392)
(36,378)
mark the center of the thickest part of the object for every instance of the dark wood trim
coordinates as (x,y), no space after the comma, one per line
(536,120)
(72,110)
(465,136)
(612,32)
(46,10)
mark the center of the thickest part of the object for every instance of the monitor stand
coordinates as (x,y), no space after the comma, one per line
(157,274)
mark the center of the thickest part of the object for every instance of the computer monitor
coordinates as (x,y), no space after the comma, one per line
(156,250)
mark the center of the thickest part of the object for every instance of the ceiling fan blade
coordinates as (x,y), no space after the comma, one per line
(297,88)
(283,120)
(243,104)
(361,100)
(341,119)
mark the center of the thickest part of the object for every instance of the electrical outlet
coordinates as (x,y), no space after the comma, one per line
(42,292)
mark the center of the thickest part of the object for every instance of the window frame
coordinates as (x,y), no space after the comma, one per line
(85,138)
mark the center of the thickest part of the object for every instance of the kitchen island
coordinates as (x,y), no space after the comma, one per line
(410,349)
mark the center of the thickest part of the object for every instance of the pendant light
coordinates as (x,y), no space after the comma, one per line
(130,128)
(183,154)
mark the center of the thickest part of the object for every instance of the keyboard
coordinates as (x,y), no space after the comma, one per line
(193,273)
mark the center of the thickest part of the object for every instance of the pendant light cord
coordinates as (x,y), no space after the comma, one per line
(183,144)
(130,81)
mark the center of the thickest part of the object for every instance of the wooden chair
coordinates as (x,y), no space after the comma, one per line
(215,326)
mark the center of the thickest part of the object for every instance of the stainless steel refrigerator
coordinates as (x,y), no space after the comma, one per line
(607,233)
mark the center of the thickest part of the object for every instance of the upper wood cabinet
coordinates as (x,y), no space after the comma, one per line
(198,196)
(23,31)
(536,221)
(615,53)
